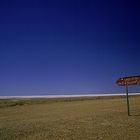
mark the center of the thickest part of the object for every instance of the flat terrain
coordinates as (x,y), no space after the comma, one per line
(70,119)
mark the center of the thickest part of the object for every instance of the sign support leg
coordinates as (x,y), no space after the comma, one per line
(128,111)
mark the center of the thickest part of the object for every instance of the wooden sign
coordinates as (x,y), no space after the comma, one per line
(126,81)
(133,80)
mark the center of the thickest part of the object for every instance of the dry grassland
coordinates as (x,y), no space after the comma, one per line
(82,119)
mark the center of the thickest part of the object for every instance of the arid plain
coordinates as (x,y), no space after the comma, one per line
(70,119)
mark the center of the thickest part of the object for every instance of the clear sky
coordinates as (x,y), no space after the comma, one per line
(67,46)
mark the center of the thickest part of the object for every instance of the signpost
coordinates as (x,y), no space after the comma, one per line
(126,81)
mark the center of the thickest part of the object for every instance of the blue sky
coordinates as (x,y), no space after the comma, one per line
(67,47)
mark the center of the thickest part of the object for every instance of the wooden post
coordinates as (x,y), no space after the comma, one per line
(128,111)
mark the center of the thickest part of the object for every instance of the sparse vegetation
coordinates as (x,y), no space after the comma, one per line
(70,119)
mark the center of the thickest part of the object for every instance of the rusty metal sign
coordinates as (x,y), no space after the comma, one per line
(133,80)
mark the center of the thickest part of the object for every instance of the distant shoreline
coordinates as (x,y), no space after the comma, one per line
(64,96)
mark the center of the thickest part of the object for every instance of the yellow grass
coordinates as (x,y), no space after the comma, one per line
(100,119)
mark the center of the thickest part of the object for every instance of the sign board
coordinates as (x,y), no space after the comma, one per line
(126,81)
(133,80)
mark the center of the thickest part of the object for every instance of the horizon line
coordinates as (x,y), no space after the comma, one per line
(66,96)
